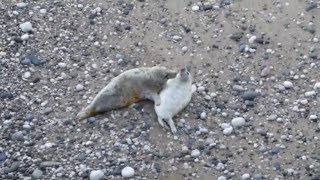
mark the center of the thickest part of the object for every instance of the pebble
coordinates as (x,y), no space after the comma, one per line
(288,84)
(3,156)
(309,93)
(127,172)
(79,87)
(203,115)
(184,48)
(177,38)
(227,131)
(195,153)
(225,125)
(26,75)
(14,166)
(43,11)
(26,27)
(185,149)
(96,175)
(37,174)
(265,72)
(17,136)
(45,164)
(62,65)
(236,36)
(222,178)
(201,88)
(24,37)
(250,95)
(238,121)
(195,8)
(245,176)
(316,86)
(252,39)
(21,4)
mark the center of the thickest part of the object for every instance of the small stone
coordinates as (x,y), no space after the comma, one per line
(45,164)
(265,72)
(238,121)
(316,86)
(14,167)
(157,167)
(310,6)
(225,125)
(43,11)
(177,38)
(252,39)
(96,175)
(62,65)
(203,115)
(262,148)
(288,84)
(257,177)
(208,141)
(26,75)
(91,119)
(17,136)
(195,8)
(250,95)
(184,49)
(21,4)
(245,176)
(222,178)
(3,156)
(185,149)
(25,37)
(207,7)
(127,172)
(37,174)
(195,153)
(236,36)
(313,117)
(26,27)
(227,131)
(275,150)
(201,88)
(79,87)
(313,55)
(309,93)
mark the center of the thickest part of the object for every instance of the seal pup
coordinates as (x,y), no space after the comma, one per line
(175,97)
(127,88)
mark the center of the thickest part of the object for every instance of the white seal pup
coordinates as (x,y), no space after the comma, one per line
(175,97)
(127,88)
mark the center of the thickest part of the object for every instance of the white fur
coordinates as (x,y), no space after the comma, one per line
(174,97)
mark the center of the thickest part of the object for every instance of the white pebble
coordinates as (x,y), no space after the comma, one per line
(252,39)
(238,121)
(184,149)
(21,4)
(201,88)
(227,131)
(203,115)
(222,178)
(195,153)
(26,75)
(288,84)
(313,117)
(184,48)
(245,176)
(43,11)
(195,8)
(79,87)
(25,37)
(127,172)
(177,38)
(26,26)
(309,93)
(96,175)
(225,125)
(62,65)
(316,86)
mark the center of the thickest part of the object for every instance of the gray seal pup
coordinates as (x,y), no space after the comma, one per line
(127,88)
(175,97)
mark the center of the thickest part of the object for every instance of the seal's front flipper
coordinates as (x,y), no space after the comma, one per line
(155,98)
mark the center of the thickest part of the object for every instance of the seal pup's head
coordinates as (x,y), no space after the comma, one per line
(185,73)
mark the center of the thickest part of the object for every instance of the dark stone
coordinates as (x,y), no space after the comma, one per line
(157,167)
(7,115)
(3,156)
(14,167)
(6,95)
(275,150)
(310,6)
(259,40)
(17,39)
(207,7)
(276,166)
(92,16)
(236,36)
(242,47)
(81,157)
(250,95)
(29,116)
(313,55)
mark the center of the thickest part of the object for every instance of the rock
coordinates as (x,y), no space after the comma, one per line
(37,174)
(17,136)
(62,65)
(257,177)
(310,6)
(201,89)
(184,49)
(26,27)
(21,4)
(238,122)
(245,176)
(207,7)
(3,156)
(43,11)
(275,150)
(127,172)
(91,119)
(31,58)
(96,175)
(185,149)
(208,141)
(250,95)
(222,178)
(225,125)
(14,167)
(316,86)
(252,39)
(236,36)
(45,164)
(195,8)
(157,167)
(25,37)
(313,55)
(6,95)
(26,75)
(309,93)
(176,37)
(288,84)
(227,131)
(79,87)
(195,153)
(262,148)
(203,115)
(265,72)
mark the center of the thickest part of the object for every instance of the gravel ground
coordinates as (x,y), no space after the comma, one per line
(255,114)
